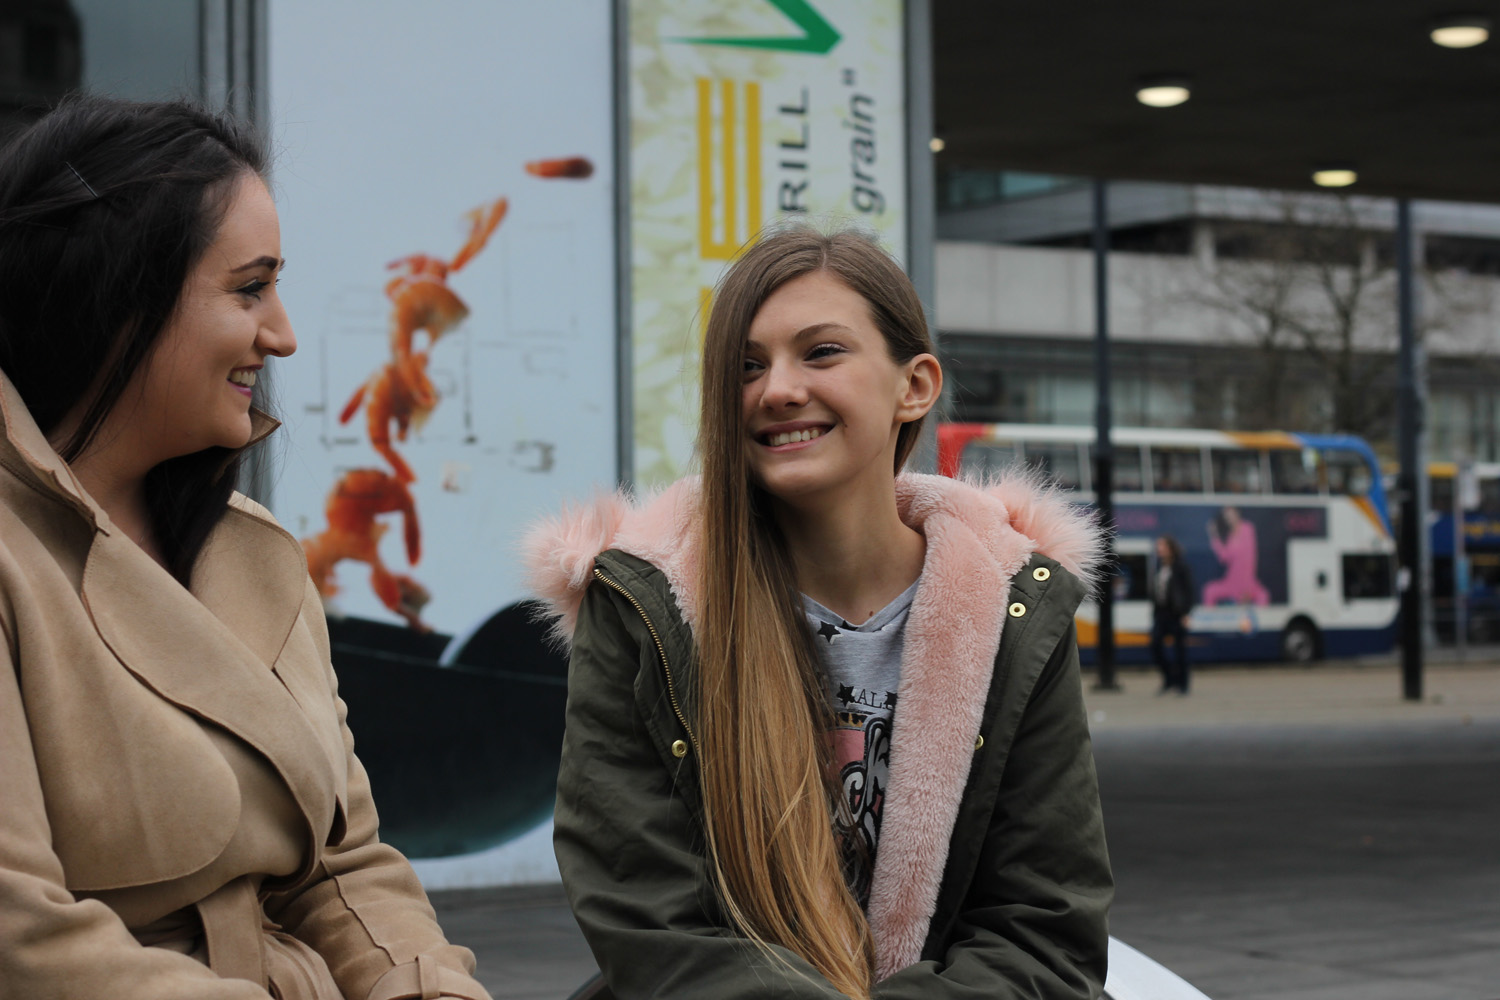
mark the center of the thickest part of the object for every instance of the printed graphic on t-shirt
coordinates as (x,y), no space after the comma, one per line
(862,754)
(862,673)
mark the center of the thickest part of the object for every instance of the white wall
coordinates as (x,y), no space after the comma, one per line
(1043,291)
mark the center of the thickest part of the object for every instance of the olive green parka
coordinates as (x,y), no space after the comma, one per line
(991,878)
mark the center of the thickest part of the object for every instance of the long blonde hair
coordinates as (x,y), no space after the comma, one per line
(768,781)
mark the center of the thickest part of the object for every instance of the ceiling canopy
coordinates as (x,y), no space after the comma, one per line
(1279,88)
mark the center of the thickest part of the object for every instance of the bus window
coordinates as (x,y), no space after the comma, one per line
(1368,576)
(1058,462)
(1235,470)
(987,458)
(1177,470)
(1440,495)
(1489,496)
(1349,473)
(1294,471)
(1129,477)
(1132,577)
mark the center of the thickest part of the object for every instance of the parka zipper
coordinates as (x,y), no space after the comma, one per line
(661,651)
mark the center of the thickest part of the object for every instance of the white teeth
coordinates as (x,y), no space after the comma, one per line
(244,377)
(790,437)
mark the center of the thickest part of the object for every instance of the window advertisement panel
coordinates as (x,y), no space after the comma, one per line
(445,178)
(741,114)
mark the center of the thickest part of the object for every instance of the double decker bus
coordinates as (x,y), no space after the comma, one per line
(1288,536)
(1477,577)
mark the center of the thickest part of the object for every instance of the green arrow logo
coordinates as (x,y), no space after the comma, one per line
(818,36)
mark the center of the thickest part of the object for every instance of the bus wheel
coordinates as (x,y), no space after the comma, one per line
(1300,642)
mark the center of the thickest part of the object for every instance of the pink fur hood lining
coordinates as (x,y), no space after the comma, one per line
(978,537)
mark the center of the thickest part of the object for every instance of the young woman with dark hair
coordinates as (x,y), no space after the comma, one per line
(825,733)
(181,812)
(1171,602)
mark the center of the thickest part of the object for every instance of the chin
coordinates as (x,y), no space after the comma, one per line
(791,489)
(235,438)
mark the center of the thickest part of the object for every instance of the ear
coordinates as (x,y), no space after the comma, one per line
(922,387)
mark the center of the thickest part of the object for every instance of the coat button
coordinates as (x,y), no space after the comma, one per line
(979,743)
(1041,574)
(1017,609)
(679,748)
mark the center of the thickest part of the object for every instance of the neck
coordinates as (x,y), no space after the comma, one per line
(853,556)
(120,489)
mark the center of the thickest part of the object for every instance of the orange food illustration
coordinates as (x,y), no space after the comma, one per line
(420,294)
(359,497)
(399,392)
(483,222)
(567,167)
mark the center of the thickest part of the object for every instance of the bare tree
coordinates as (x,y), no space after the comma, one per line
(1311,291)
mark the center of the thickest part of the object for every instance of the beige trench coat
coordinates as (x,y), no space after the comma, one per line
(181,811)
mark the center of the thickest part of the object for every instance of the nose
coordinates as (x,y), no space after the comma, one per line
(782,386)
(275,336)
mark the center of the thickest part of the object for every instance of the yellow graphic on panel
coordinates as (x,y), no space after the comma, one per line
(728,193)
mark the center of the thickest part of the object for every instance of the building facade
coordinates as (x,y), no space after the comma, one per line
(1229,309)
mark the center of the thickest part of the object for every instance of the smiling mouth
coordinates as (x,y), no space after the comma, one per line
(792,437)
(244,377)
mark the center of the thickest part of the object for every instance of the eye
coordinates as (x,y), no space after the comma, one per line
(254,288)
(752,367)
(823,352)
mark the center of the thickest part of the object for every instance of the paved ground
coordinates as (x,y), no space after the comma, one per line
(1309,835)
(1281,834)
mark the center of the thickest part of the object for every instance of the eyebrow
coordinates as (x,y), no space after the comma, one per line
(817,328)
(260,262)
(808,332)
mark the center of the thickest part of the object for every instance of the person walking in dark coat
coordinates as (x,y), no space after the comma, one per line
(1171,600)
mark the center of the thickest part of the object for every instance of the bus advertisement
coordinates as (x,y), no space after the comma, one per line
(1287,536)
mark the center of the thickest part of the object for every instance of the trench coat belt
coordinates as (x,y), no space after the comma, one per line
(232,922)
(424,979)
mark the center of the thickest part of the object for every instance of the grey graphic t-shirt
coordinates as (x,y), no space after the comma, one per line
(862,669)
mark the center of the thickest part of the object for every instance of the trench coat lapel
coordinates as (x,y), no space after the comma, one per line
(216,650)
(213,651)
(25,452)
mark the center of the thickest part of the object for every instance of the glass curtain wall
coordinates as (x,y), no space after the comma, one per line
(208,50)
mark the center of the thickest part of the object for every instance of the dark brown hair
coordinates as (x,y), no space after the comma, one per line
(1174,549)
(106,205)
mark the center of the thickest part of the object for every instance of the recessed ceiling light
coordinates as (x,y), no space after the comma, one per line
(1163,91)
(1461,31)
(1334,177)
(936,145)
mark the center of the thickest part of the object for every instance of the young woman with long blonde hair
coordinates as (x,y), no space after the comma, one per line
(825,735)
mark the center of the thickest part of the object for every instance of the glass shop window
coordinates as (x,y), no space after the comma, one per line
(144,49)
